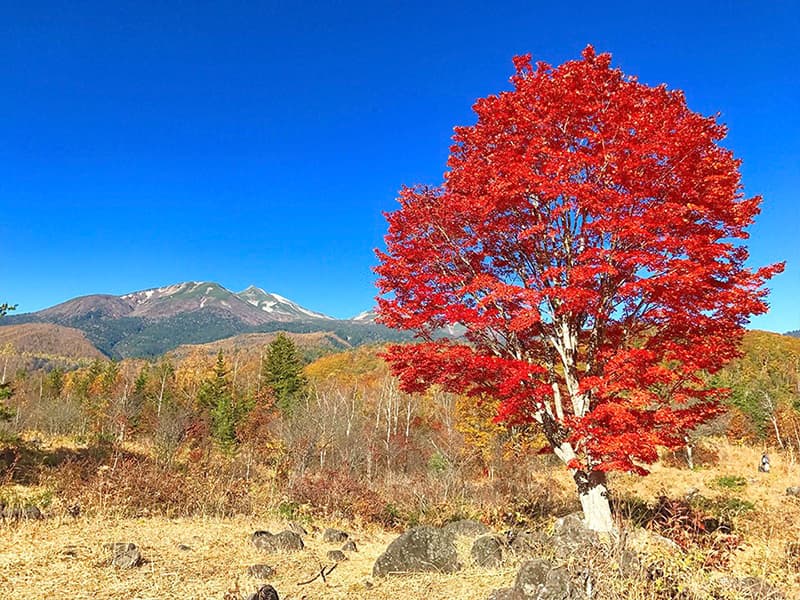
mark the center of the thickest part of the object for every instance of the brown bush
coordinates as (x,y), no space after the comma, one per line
(339,495)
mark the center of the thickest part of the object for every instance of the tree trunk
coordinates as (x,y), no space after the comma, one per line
(593,494)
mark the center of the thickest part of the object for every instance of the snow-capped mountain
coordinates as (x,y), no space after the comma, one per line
(277,306)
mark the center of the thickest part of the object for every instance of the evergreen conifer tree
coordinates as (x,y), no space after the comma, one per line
(282,371)
(216,396)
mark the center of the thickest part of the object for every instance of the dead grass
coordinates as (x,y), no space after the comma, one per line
(62,557)
(65,559)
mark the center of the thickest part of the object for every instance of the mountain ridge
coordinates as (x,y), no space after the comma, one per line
(150,322)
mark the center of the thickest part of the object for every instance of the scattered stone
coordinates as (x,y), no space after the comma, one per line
(532,577)
(124,555)
(570,535)
(184,548)
(465,528)
(288,541)
(334,536)
(793,491)
(558,585)
(265,592)
(418,550)
(285,541)
(22,513)
(261,571)
(506,594)
(349,546)
(691,493)
(368,583)
(487,551)
(526,543)
(336,555)
(297,528)
(263,540)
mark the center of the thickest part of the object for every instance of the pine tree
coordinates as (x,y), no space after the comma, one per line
(282,371)
(216,396)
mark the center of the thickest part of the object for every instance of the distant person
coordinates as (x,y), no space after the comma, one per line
(764,466)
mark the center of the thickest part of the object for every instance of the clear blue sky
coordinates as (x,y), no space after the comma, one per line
(147,143)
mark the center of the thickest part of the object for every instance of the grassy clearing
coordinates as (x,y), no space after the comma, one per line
(63,557)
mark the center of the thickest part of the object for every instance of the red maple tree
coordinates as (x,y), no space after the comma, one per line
(587,236)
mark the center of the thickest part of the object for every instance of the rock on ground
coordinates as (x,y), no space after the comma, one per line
(349,546)
(527,543)
(419,550)
(285,541)
(21,513)
(465,528)
(570,535)
(124,555)
(261,571)
(336,555)
(265,592)
(334,536)
(538,580)
(488,551)
(297,528)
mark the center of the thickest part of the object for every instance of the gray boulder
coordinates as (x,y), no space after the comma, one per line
(265,592)
(571,536)
(488,551)
(124,555)
(538,580)
(334,536)
(527,543)
(466,528)
(261,571)
(349,546)
(22,513)
(288,541)
(793,491)
(285,541)
(297,528)
(531,577)
(263,540)
(336,555)
(418,550)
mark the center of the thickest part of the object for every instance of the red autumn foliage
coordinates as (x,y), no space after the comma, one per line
(588,235)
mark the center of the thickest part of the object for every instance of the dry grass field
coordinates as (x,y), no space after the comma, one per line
(63,557)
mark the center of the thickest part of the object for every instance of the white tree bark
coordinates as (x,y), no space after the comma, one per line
(596,507)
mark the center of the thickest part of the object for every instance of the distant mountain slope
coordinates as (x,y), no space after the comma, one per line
(277,307)
(312,345)
(95,306)
(48,340)
(795,333)
(151,322)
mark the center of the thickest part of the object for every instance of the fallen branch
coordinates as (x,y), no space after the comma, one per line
(324,572)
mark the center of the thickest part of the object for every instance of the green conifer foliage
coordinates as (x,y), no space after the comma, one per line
(216,395)
(282,370)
